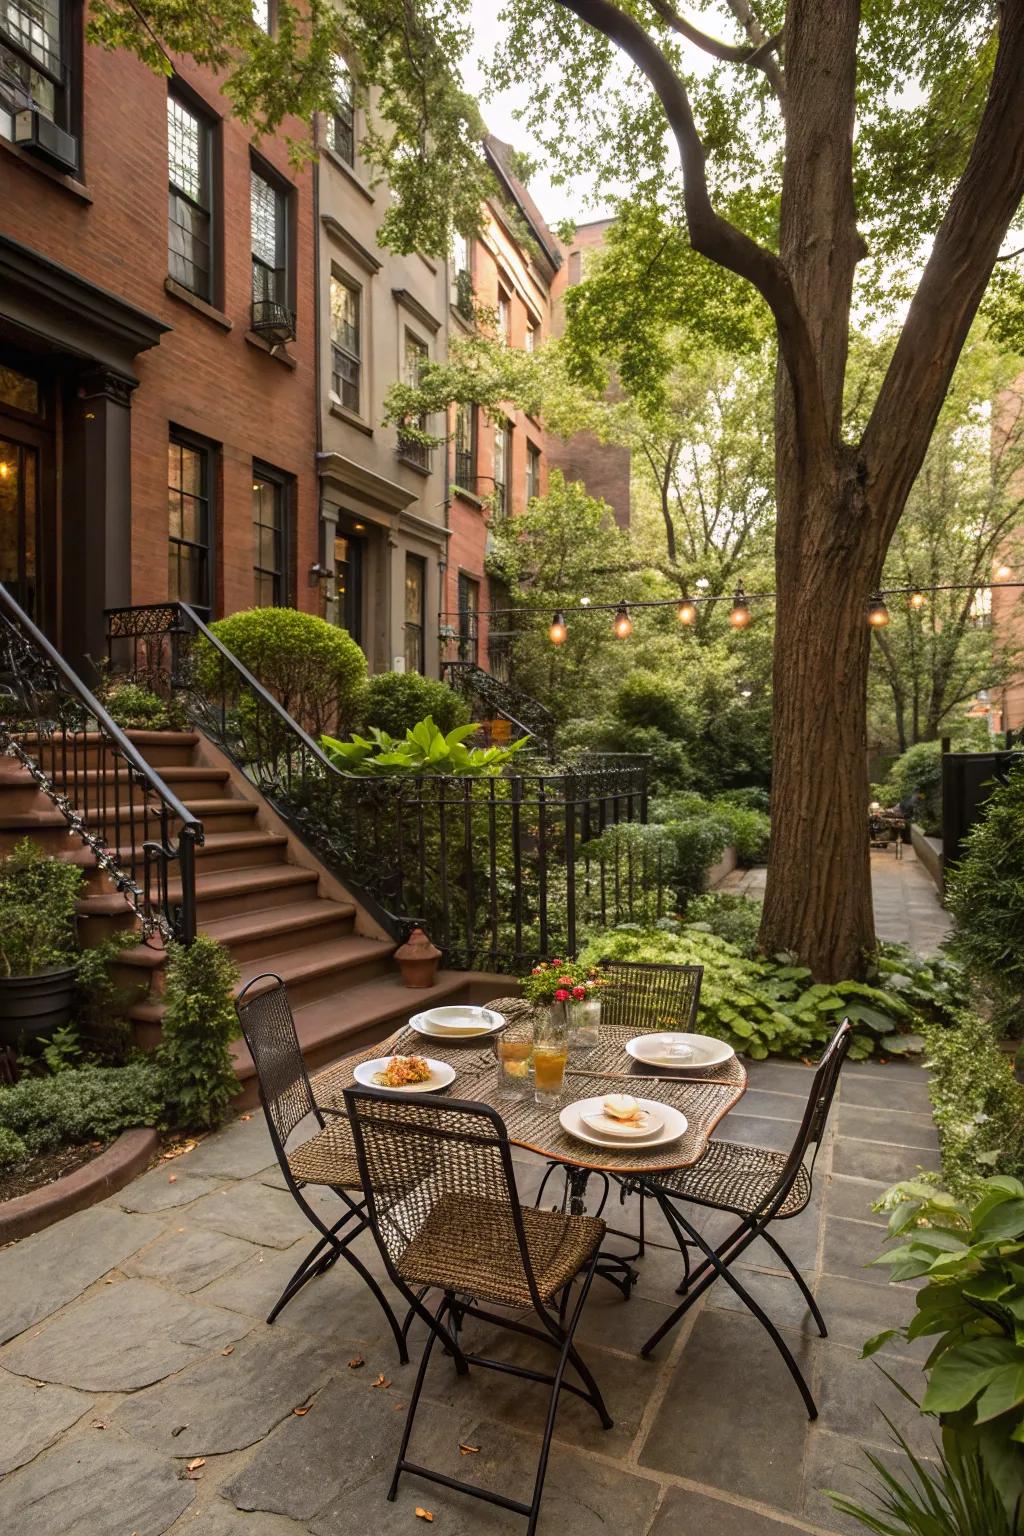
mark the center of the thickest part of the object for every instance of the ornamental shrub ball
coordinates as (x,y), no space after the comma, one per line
(396,701)
(315,670)
(37,911)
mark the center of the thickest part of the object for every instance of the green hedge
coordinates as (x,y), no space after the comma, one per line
(396,701)
(976,1099)
(39,1114)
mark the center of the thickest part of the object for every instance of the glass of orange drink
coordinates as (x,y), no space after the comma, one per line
(550,1054)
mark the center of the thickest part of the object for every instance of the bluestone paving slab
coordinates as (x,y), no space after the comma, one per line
(213,1517)
(849,1248)
(227,1402)
(614,1323)
(163,1189)
(350,1434)
(839,1463)
(188,1259)
(881,1161)
(895,1127)
(125,1336)
(94,1485)
(853,1198)
(685,1512)
(778,1294)
(756,1131)
(238,1152)
(772,1106)
(901,1092)
(46,1271)
(732,1417)
(581,1494)
(789,1077)
(256,1213)
(856,1310)
(851,1392)
(32,1417)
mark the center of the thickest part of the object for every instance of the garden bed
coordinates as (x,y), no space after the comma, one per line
(74,1182)
(46,1168)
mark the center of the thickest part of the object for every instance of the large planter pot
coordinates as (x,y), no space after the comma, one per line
(32,1007)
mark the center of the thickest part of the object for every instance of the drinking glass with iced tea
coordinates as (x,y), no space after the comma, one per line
(550,1054)
(513,1047)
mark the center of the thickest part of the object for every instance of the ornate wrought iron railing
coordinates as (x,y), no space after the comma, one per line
(140,832)
(496,869)
(496,696)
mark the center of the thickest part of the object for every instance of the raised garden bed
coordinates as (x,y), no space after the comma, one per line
(74,1182)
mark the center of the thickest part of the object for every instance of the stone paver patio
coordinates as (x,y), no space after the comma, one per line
(135,1345)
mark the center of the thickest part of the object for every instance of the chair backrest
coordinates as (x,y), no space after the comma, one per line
(649,997)
(419,1155)
(269,1029)
(819,1102)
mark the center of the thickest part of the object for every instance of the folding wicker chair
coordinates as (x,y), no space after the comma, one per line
(444,1208)
(327,1157)
(760,1187)
(646,997)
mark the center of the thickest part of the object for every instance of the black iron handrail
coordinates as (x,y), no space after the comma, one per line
(497,869)
(527,715)
(110,797)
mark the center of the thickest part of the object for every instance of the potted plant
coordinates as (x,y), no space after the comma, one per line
(573,989)
(38,943)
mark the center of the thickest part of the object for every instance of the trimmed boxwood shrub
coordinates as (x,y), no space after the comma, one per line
(396,701)
(89,1103)
(197,1076)
(314,670)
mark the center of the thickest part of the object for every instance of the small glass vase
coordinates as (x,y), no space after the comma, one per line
(584,1023)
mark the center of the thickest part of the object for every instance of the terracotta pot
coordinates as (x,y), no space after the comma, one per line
(418,960)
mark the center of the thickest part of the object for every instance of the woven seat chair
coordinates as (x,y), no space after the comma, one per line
(327,1157)
(760,1187)
(443,1205)
(645,997)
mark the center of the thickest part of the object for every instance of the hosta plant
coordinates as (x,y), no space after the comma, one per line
(424,749)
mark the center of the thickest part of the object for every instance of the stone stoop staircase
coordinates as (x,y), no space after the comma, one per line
(258,891)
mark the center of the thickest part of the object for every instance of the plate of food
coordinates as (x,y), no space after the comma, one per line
(675,1051)
(404,1074)
(664,1124)
(457,1020)
(620,1116)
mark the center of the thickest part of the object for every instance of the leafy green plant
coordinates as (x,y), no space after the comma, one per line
(985,893)
(193,1058)
(424,749)
(959,1499)
(396,701)
(971,1254)
(37,911)
(977,1101)
(915,782)
(91,1103)
(63,1050)
(747,829)
(315,670)
(12,1149)
(134,707)
(733,918)
(766,1006)
(102,1003)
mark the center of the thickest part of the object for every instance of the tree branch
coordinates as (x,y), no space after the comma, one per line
(758,56)
(951,288)
(710,234)
(763,44)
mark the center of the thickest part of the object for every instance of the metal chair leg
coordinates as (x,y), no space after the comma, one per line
(815,1310)
(434,1335)
(722,1270)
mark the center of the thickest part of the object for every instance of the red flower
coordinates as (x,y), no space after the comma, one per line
(561,996)
(579,993)
(537,970)
(565,981)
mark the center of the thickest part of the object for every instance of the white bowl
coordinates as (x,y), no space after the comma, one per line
(458,1019)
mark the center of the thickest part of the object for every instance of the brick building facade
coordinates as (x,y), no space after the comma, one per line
(157,348)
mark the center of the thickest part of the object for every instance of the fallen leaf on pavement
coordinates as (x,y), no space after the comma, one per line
(382,1381)
(196,1462)
(228,1349)
(302,1409)
(469,1450)
(99,1424)
(423,1514)
(172,1178)
(179,1429)
(356,1362)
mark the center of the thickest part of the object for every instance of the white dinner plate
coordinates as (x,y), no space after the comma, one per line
(604,1124)
(672,1127)
(457,1021)
(705,1051)
(441,1074)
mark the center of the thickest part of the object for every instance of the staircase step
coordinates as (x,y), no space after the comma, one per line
(351,1019)
(272,930)
(318,970)
(220,850)
(230,892)
(161,749)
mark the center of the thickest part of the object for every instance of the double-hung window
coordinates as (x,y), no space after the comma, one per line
(189,508)
(189,231)
(469,618)
(414,361)
(532,471)
(465,447)
(341,125)
(269,538)
(504,317)
(415,611)
(271,277)
(462,275)
(35,62)
(502,461)
(346,342)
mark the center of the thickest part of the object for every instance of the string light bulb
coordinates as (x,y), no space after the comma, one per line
(558,629)
(686,611)
(1002,571)
(623,624)
(5,469)
(917,599)
(739,613)
(878,613)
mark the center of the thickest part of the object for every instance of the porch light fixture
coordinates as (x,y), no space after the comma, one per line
(739,613)
(917,599)
(558,629)
(686,612)
(623,625)
(878,613)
